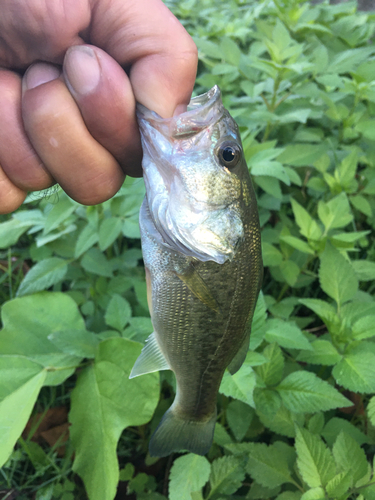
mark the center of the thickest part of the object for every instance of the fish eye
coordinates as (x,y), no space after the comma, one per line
(229,154)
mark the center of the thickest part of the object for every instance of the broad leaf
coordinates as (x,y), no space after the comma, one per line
(267,465)
(189,473)
(305,392)
(103,403)
(43,275)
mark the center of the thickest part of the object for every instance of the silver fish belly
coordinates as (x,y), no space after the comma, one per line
(201,248)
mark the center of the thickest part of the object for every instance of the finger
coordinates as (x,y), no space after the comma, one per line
(18,158)
(104,95)
(11,197)
(146,36)
(54,124)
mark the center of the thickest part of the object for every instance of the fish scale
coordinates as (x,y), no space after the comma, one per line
(203,261)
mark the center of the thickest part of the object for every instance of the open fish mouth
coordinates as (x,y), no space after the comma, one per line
(202,111)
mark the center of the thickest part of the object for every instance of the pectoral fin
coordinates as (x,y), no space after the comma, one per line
(198,287)
(239,358)
(150,360)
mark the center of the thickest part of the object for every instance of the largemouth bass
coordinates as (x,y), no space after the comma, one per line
(201,248)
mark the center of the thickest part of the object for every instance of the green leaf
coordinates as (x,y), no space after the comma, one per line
(27,323)
(286,334)
(371,410)
(339,484)
(103,403)
(290,271)
(314,459)
(267,465)
(301,155)
(11,231)
(189,473)
(323,353)
(43,275)
(324,310)
(361,203)
(356,372)
(20,382)
(239,416)
(94,261)
(230,51)
(337,276)
(80,343)
(364,328)
(227,475)
(314,494)
(130,227)
(59,213)
(364,270)
(300,245)
(336,425)
(306,393)
(267,401)
(109,230)
(240,385)
(272,371)
(118,312)
(335,213)
(86,239)
(270,168)
(309,227)
(282,422)
(271,255)
(350,457)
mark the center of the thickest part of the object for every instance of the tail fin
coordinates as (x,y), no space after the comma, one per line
(177,434)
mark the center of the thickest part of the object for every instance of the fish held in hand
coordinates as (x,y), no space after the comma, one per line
(201,248)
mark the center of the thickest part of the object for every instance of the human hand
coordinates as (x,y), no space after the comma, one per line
(71,117)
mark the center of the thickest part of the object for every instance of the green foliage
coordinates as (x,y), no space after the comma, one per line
(297,421)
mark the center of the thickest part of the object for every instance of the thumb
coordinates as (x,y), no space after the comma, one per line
(151,44)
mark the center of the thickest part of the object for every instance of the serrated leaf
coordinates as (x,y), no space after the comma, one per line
(267,401)
(239,416)
(297,243)
(337,276)
(103,403)
(272,371)
(371,410)
(240,385)
(314,494)
(108,232)
(349,456)
(286,334)
(339,484)
(267,465)
(356,372)
(308,226)
(59,213)
(336,425)
(86,239)
(227,475)
(20,382)
(361,203)
(118,312)
(364,270)
(271,255)
(43,275)
(364,328)
(189,473)
(324,310)
(305,392)
(282,422)
(323,353)
(335,213)
(314,459)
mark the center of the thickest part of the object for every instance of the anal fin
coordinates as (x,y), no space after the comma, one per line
(150,360)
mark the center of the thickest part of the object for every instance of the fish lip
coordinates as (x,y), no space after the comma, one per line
(203,110)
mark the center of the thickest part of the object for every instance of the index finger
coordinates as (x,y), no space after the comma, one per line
(146,37)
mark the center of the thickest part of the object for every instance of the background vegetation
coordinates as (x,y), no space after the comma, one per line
(297,422)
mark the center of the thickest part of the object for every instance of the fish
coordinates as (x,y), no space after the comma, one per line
(201,248)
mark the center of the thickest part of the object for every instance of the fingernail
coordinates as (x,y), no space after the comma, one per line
(40,73)
(81,69)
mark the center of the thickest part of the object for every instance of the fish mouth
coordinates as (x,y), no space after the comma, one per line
(202,111)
